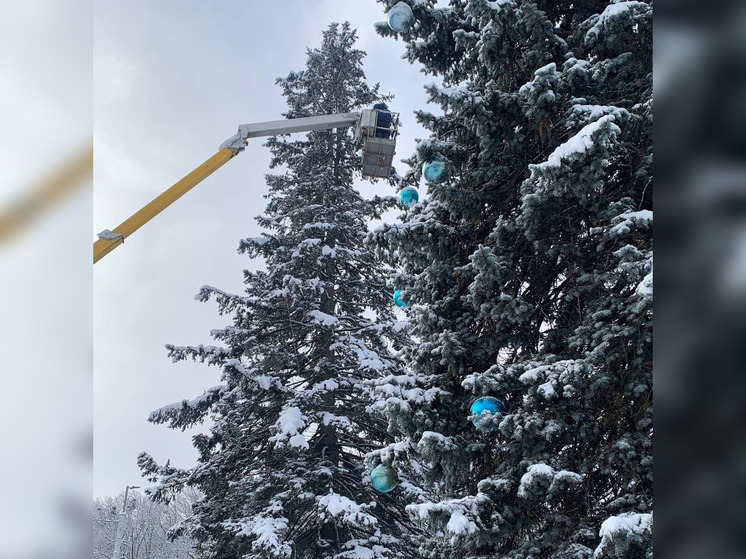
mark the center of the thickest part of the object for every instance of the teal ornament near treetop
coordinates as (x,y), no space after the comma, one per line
(398,299)
(485,407)
(434,171)
(400,17)
(384,478)
(409,196)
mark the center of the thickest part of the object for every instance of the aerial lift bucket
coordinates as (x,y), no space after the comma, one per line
(377,130)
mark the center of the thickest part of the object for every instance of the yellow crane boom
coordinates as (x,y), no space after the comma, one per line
(109,240)
(378,151)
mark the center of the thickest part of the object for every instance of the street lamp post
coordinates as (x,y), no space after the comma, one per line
(122,522)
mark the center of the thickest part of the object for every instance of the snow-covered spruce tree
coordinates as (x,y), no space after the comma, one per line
(528,271)
(282,469)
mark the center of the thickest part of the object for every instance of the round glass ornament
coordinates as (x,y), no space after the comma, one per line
(384,478)
(485,407)
(434,171)
(398,301)
(400,17)
(408,196)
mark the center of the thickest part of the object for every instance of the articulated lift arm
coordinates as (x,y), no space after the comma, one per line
(366,128)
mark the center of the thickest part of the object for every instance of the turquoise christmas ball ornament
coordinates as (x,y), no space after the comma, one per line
(400,17)
(484,407)
(398,301)
(434,171)
(384,478)
(409,196)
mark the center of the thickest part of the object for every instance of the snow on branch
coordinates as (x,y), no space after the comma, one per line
(614,11)
(579,144)
(541,480)
(645,287)
(399,392)
(551,379)
(185,413)
(167,480)
(225,300)
(346,510)
(462,514)
(290,426)
(389,452)
(623,535)
(367,549)
(628,220)
(441,442)
(322,318)
(263,382)
(267,532)
(497,5)
(210,354)
(581,113)
(536,478)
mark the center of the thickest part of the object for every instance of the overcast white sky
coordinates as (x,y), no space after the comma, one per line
(45,278)
(173,79)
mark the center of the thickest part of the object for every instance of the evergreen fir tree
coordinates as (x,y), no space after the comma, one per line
(283,468)
(528,272)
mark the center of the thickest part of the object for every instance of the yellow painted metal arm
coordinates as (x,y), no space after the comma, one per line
(102,247)
(49,192)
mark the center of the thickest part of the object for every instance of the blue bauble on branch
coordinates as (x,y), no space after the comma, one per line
(409,196)
(485,407)
(384,478)
(434,171)
(398,301)
(400,17)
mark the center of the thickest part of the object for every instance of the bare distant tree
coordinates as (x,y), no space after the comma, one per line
(148,530)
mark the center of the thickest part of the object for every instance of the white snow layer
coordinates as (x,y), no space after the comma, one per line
(437,437)
(332,419)
(542,475)
(389,452)
(268,531)
(528,87)
(498,4)
(553,379)
(567,477)
(346,509)
(323,318)
(612,11)
(594,112)
(629,219)
(550,68)
(529,479)
(546,390)
(459,524)
(532,375)
(443,443)
(623,525)
(578,144)
(290,426)
(457,510)
(359,552)
(393,393)
(646,285)
(206,395)
(627,522)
